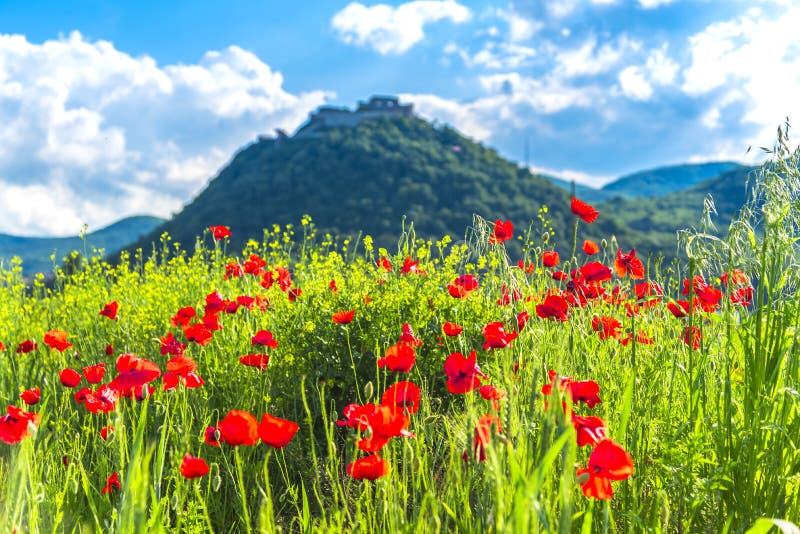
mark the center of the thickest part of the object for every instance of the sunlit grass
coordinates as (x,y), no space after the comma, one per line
(712,432)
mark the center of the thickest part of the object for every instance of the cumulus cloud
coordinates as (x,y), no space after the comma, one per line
(589,59)
(650,4)
(393,30)
(92,134)
(748,71)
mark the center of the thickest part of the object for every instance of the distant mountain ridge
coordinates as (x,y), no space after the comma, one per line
(653,182)
(36,251)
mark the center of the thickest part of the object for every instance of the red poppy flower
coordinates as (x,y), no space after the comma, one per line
(211,320)
(134,372)
(110,310)
(467,281)
(494,394)
(503,231)
(27,346)
(112,483)
(355,415)
(370,467)
(69,377)
(170,345)
(105,431)
(608,461)
(109,350)
(495,336)
(522,320)
(265,337)
(181,368)
(629,264)
(192,467)
(275,431)
(14,424)
(333,287)
(255,265)
(343,317)
(483,437)
(641,338)
(2,347)
(94,373)
(554,307)
(606,326)
(679,308)
(550,258)
(104,400)
(594,271)
(385,264)
(583,210)
(463,374)
(506,298)
(57,339)
(383,424)
(590,248)
(411,266)
(452,329)
(181,365)
(743,296)
(211,436)
(529,267)
(692,336)
(404,395)
(219,232)
(400,357)
(736,276)
(589,430)
(215,303)
(183,317)
(233,270)
(586,391)
(238,428)
(255,360)
(294,294)
(31,396)
(407,336)
(199,333)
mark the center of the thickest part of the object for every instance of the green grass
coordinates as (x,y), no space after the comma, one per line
(713,432)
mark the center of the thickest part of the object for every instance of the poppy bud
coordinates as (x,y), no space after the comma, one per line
(369,390)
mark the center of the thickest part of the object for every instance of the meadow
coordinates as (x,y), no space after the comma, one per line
(306,384)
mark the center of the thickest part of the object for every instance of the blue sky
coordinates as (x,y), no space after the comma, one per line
(109,110)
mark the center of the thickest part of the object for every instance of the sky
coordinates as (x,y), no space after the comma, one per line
(109,110)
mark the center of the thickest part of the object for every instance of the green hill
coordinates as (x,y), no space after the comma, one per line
(367,179)
(36,251)
(666,180)
(652,182)
(657,219)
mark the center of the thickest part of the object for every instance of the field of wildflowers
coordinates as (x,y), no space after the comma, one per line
(311,385)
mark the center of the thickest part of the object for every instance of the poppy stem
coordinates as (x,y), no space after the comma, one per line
(353,365)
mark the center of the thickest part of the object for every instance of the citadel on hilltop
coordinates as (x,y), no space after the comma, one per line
(332,116)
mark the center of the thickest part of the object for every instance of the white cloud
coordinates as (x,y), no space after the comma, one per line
(634,85)
(753,64)
(650,4)
(520,28)
(393,30)
(589,59)
(494,55)
(563,8)
(592,180)
(91,134)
